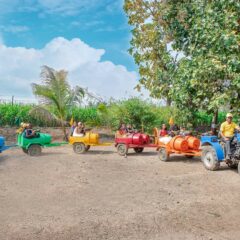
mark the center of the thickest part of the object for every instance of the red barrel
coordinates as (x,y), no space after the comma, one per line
(137,139)
(146,138)
(193,142)
(179,143)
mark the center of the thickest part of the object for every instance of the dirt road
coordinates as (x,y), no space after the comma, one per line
(100,195)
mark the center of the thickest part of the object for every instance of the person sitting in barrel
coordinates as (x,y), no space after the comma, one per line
(129,128)
(163,135)
(74,125)
(122,131)
(173,130)
(163,132)
(79,131)
(182,131)
(29,132)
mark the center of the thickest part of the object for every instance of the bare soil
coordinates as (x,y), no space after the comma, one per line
(101,195)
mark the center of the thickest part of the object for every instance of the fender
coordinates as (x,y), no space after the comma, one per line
(30,144)
(238,137)
(213,141)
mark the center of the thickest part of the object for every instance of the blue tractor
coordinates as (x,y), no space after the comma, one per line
(213,152)
(3,147)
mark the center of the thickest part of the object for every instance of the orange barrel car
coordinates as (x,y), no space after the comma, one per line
(188,146)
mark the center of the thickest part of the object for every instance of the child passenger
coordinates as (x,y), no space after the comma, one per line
(163,135)
(79,131)
(29,132)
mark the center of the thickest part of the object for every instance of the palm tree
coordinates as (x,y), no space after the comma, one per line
(56,96)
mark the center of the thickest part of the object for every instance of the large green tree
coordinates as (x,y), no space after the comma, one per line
(56,96)
(149,48)
(206,34)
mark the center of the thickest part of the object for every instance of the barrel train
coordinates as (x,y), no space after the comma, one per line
(212,153)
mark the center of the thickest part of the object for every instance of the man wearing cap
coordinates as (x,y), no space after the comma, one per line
(227,133)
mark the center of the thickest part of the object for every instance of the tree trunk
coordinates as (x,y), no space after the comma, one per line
(214,122)
(65,136)
(169,102)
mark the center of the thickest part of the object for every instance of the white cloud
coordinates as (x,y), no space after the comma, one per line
(14,28)
(19,67)
(1,39)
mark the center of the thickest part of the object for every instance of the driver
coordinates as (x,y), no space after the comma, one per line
(227,133)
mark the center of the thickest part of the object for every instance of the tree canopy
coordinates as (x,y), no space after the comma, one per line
(204,34)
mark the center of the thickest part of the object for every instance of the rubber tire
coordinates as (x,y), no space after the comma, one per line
(87,147)
(233,166)
(209,158)
(79,148)
(163,155)
(138,150)
(122,149)
(34,150)
(25,150)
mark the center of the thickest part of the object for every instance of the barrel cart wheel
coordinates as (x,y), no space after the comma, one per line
(122,149)
(25,150)
(209,158)
(87,147)
(163,154)
(79,148)
(34,150)
(138,149)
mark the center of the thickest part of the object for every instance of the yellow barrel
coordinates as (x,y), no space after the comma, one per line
(93,137)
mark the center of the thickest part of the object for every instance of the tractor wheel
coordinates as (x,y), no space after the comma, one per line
(163,155)
(25,150)
(209,158)
(87,147)
(79,148)
(34,150)
(138,150)
(122,149)
(233,165)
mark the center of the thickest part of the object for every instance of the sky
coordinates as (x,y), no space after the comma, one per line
(88,38)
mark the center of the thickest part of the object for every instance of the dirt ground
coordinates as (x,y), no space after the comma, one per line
(101,195)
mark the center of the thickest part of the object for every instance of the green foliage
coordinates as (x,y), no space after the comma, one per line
(56,95)
(88,115)
(134,111)
(148,47)
(11,115)
(206,34)
(139,113)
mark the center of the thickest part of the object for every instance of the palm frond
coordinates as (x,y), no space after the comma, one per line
(43,114)
(46,116)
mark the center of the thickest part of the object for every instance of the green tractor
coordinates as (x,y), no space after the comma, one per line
(33,146)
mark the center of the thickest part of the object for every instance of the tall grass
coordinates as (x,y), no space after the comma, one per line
(139,113)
